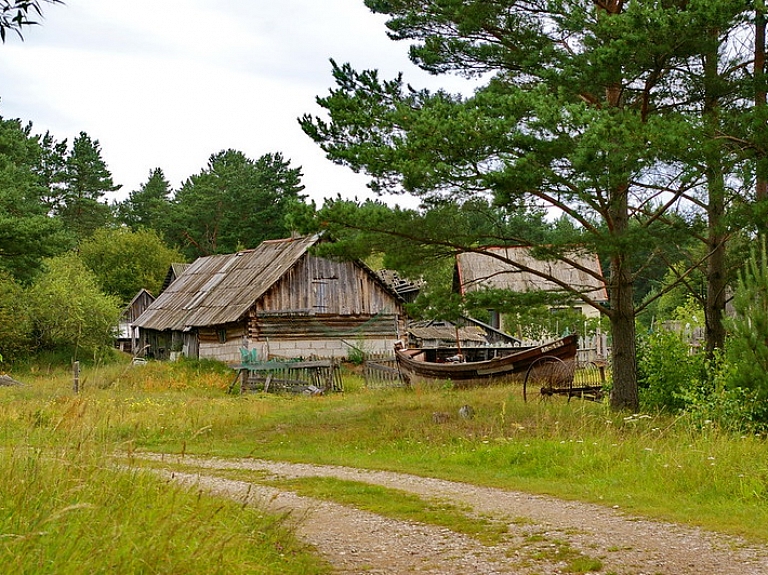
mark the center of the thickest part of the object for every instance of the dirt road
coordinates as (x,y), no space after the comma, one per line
(545,534)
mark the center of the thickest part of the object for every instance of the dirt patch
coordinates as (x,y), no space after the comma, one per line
(545,534)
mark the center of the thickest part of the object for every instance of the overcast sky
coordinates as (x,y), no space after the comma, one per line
(167,83)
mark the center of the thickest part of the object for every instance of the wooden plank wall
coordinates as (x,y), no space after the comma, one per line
(321,286)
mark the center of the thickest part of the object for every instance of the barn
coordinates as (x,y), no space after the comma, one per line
(277,300)
(518,269)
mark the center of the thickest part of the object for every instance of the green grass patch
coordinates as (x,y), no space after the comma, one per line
(396,504)
(542,549)
(392,503)
(64,512)
(650,464)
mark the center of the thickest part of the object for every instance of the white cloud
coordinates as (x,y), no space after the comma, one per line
(167,83)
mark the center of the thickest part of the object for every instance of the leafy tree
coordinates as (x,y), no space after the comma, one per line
(69,313)
(148,207)
(126,261)
(15,326)
(15,14)
(574,115)
(27,233)
(86,181)
(234,203)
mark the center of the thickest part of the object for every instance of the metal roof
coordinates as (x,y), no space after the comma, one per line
(485,270)
(219,289)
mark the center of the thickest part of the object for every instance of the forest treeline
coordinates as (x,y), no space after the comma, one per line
(72,253)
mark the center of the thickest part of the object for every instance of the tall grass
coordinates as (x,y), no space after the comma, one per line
(66,507)
(649,464)
(63,512)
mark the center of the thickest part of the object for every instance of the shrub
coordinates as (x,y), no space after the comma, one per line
(14,320)
(668,370)
(69,313)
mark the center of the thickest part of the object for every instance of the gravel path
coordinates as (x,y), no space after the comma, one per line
(358,542)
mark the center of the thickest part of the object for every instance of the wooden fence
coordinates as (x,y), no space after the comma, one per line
(380,371)
(309,377)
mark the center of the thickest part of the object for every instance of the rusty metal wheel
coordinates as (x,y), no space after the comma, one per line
(551,375)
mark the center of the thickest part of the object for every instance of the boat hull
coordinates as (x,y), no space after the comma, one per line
(513,367)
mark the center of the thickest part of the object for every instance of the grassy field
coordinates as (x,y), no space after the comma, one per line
(61,497)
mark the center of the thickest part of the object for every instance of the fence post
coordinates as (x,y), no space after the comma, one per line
(76,378)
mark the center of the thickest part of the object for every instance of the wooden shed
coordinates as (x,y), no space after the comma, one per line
(127,334)
(277,300)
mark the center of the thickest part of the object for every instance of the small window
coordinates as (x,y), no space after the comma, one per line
(222,336)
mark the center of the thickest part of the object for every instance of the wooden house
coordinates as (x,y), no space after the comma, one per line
(277,300)
(128,333)
(516,269)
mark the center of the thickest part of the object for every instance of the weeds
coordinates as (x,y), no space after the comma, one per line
(653,464)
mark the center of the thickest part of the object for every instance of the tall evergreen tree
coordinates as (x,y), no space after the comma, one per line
(234,203)
(86,181)
(27,233)
(51,171)
(574,114)
(149,206)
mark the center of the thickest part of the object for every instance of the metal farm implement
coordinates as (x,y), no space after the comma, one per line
(554,377)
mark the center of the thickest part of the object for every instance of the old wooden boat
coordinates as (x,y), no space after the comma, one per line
(415,365)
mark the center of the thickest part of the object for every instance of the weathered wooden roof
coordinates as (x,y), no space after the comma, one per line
(141,293)
(219,289)
(481,270)
(174,271)
(401,286)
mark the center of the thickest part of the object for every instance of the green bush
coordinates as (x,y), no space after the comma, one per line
(734,393)
(739,398)
(14,320)
(668,370)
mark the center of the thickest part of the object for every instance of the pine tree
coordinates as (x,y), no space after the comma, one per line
(574,115)
(86,181)
(234,203)
(149,206)
(27,232)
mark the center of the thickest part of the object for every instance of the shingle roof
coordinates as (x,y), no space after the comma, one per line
(215,290)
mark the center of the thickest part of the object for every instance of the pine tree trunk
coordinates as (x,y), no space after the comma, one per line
(623,347)
(714,307)
(714,310)
(621,292)
(761,183)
